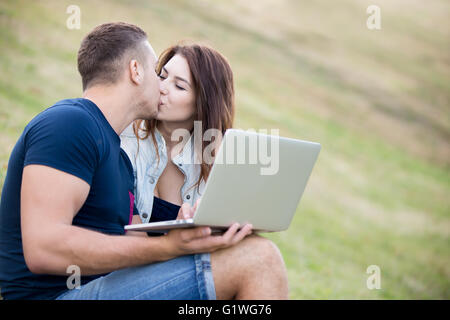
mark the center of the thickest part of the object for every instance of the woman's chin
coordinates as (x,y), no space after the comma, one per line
(160,116)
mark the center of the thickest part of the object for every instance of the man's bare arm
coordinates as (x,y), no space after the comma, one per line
(49,201)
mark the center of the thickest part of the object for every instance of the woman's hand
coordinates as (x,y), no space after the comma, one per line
(186,212)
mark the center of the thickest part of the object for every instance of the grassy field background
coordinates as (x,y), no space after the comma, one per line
(377,100)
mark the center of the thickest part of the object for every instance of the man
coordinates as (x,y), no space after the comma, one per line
(69,192)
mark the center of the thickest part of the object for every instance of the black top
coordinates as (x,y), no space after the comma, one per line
(163,210)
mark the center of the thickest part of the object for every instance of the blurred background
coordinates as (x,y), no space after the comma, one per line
(377,100)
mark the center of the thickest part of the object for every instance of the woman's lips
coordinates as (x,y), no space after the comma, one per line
(161,104)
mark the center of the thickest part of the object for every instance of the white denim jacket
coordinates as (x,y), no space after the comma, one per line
(147,170)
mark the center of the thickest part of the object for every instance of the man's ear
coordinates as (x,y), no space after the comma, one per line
(136,72)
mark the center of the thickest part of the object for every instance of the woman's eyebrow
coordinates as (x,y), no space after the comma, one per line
(178,78)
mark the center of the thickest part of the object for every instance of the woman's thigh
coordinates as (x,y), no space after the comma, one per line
(184,278)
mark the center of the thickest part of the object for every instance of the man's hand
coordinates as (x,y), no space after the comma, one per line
(199,239)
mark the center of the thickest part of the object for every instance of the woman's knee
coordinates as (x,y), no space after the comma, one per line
(261,250)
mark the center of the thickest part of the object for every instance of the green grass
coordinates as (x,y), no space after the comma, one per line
(377,101)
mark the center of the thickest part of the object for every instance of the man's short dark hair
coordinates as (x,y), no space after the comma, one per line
(101,52)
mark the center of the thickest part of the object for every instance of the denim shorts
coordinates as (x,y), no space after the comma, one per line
(184,278)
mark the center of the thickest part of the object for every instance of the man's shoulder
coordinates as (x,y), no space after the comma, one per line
(65,136)
(67,115)
(74,109)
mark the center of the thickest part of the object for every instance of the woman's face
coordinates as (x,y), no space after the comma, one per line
(177,91)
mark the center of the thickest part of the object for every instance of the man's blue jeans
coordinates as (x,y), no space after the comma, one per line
(184,278)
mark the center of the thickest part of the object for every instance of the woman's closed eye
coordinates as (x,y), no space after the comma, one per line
(176,85)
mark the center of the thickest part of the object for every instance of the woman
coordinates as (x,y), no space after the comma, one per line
(196,84)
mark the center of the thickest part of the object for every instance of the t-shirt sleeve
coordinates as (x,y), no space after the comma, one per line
(66,139)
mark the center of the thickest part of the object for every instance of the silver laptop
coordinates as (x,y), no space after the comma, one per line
(256,178)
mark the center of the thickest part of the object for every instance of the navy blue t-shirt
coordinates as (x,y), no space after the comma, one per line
(72,136)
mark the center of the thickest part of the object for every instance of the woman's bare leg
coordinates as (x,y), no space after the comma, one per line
(251,269)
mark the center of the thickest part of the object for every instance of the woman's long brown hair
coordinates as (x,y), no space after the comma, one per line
(214,94)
